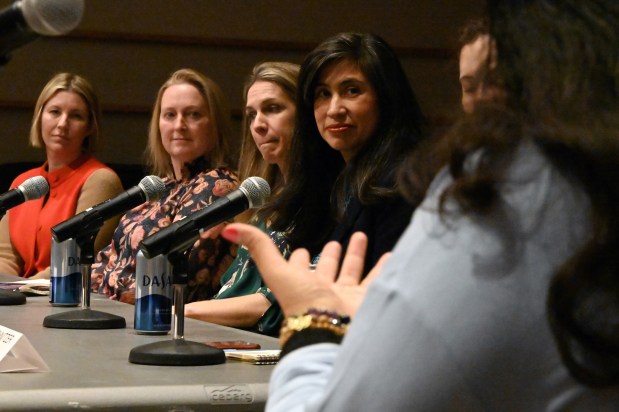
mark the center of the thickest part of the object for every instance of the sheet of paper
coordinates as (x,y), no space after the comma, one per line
(17,353)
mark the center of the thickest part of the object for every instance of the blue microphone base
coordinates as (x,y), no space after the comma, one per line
(84,319)
(176,352)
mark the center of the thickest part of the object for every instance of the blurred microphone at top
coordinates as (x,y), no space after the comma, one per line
(26,20)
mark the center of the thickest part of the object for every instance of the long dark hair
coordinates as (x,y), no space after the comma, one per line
(319,182)
(558,62)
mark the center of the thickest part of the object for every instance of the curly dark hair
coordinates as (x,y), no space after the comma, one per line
(558,61)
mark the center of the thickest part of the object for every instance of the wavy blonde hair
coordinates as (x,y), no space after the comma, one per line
(157,157)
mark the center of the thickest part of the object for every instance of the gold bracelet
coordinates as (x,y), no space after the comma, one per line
(313,319)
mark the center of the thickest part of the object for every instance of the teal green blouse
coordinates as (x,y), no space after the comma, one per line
(243,278)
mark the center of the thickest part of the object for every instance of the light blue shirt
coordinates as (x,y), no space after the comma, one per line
(457,319)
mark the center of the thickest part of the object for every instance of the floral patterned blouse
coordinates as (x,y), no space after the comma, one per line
(113,272)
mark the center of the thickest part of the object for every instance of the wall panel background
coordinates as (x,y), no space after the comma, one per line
(127,48)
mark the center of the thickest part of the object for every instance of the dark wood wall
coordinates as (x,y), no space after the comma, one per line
(127,48)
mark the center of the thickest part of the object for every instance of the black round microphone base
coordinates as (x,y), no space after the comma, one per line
(11,297)
(84,319)
(176,352)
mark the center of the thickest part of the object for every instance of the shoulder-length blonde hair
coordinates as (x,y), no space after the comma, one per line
(73,83)
(157,158)
(251,162)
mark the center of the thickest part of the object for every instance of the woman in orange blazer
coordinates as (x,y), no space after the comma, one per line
(67,124)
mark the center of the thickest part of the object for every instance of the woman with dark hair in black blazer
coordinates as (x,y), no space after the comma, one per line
(357,119)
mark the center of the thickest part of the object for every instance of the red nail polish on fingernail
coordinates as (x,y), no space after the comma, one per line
(230,234)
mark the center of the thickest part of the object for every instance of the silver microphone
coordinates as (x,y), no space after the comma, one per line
(33,188)
(254,192)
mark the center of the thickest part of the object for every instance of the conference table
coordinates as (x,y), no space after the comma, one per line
(90,370)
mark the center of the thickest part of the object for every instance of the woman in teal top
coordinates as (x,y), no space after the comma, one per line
(244,300)
(243,279)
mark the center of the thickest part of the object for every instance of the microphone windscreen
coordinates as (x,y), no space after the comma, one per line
(152,186)
(52,17)
(34,188)
(257,191)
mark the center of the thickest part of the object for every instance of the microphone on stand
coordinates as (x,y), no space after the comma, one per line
(33,188)
(82,228)
(27,20)
(180,235)
(149,188)
(173,241)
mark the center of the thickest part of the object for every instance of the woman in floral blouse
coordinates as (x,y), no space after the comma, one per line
(244,300)
(188,146)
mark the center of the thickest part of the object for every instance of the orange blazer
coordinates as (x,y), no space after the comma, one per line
(30,223)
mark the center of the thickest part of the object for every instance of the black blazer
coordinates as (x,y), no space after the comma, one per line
(383,223)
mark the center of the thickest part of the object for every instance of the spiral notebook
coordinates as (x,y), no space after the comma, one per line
(255,357)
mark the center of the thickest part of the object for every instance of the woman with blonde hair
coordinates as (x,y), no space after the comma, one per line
(188,146)
(244,300)
(67,124)
(259,159)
